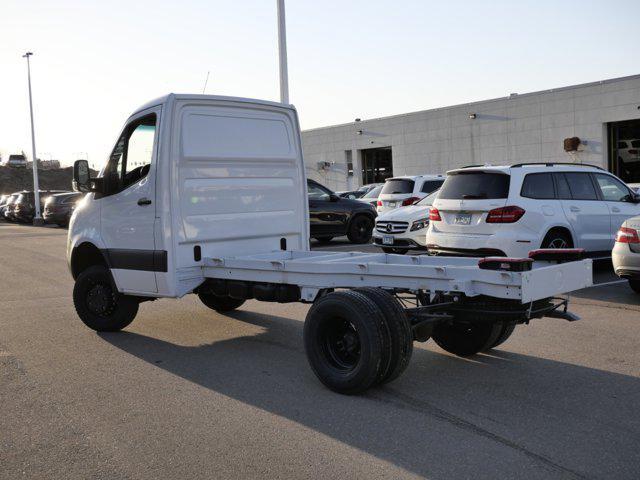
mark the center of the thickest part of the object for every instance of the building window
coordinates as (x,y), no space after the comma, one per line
(377,165)
(348,159)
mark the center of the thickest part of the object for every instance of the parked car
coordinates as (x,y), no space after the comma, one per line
(8,208)
(407,190)
(359,193)
(634,186)
(403,229)
(626,253)
(511,210)
(332,216)
(24,206)
(371,197)
(59,207)
(17,160)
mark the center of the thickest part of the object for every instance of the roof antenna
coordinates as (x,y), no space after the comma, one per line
(205,83)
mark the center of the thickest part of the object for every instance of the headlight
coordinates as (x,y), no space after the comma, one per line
(419,224)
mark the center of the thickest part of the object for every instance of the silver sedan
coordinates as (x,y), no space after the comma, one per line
(626,252)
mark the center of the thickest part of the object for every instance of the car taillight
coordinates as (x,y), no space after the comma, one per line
(633,152)
(627,235)
(510,214)
(379,203)
(410,201)
(434,215)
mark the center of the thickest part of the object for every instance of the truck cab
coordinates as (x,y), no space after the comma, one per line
(190,177)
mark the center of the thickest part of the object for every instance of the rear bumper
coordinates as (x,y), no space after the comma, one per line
(503,244)
(626,264)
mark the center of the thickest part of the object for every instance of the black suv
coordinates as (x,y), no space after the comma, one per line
(333,216)
(59,207)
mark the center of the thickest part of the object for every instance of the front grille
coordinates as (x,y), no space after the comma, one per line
(391,227)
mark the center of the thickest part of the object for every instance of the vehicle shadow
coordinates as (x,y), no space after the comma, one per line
(502,415)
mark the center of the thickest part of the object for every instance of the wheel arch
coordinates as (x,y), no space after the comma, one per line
(84,256)
(560,228)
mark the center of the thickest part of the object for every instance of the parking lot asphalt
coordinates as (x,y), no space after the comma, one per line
(187,393)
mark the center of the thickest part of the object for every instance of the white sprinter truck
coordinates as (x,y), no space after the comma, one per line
(207,195)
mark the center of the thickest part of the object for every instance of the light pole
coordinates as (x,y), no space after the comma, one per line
(282,50)
(37,219)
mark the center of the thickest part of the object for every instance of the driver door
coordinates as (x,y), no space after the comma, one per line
(128,207)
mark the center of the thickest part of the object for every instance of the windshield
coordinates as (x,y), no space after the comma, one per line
(398,185)
(428,200)
(375,193)
(475,186)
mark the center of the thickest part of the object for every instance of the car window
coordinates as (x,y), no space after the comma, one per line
(398,185)
(475,185)
(538,185)
(374,193)
(316,192)
(428,200)
(562,186)
(635,143)
(612,189)
(581,186)
(431,186)
(130,160)
(622,144)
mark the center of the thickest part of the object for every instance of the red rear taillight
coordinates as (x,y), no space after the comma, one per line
(627,235)
(410,201)
(510,214)
(633,152)
(379,203)
(434,215)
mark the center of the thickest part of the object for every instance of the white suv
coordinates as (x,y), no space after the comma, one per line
(407,190)
(511,210)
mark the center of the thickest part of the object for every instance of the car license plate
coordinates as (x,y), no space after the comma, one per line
(387,240)
(462,219)
(391,204)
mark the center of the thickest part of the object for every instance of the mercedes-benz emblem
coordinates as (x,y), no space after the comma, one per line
(388,227)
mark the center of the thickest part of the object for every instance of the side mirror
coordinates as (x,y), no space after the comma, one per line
(81,176)
(333,197)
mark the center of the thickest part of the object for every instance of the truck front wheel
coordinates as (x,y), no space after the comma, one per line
(219,303)
(99,304)
(467,338)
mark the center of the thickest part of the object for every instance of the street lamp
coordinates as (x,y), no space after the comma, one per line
(37,219)
(282,51)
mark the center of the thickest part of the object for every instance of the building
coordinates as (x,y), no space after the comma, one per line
(597,123)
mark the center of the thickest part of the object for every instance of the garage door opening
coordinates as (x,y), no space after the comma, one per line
(376,165)
(624,150)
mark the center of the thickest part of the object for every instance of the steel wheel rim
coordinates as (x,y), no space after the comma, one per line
(341,344)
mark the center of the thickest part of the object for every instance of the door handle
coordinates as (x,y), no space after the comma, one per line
(144,201)
(574,209)
(615,210)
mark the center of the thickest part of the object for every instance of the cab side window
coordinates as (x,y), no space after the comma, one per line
(317,193)
(131,158)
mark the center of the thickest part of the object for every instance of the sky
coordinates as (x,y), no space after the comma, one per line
(95,62)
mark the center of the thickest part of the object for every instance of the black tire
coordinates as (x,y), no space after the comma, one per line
(98,303)
(360,229)
(397,251)
(397,328)
(557,239)
(344,341)
(323,239)
(634,283)
(507,330)
(463,338)
(220,304)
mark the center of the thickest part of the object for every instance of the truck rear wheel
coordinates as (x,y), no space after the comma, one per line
(398,330)
(219,303)
(506,331)
(344,341)
(466,338)
(99,304)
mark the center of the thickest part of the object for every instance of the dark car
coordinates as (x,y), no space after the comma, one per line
(334,216)
(59,207)
(24,206)
(361,192)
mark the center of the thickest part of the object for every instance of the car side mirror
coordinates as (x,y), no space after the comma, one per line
(81,176)
(635,198)
(333,197)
